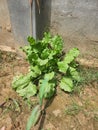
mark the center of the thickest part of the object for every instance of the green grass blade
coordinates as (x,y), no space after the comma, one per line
(33,117)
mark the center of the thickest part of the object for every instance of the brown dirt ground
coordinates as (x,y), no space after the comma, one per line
(77,111)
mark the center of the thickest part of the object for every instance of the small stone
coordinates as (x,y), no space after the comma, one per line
(3,128)
(57,112)
(50,126)
(8,28)
(7,48)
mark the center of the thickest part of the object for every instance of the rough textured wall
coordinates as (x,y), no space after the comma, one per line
(77,22)
(21,18)
(4,14)
(6,37)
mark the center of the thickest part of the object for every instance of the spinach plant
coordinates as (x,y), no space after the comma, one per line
(49,67)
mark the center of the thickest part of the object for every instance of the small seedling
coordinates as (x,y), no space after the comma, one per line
(96,118)
(73,109)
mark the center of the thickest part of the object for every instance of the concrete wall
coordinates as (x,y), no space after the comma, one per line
(73,16)
(21,18)
(77,22)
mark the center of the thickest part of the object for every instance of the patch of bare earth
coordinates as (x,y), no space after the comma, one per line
(77,111)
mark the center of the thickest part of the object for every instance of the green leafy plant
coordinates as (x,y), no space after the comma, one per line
(49,67)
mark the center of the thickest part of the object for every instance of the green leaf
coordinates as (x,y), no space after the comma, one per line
(74,73)
(33,117)
(49,91)
(25,49)
(49,76)
(35,71)
(42,62)
(57,44)
(71,55)
(21,81)
(31,40)
(28,91)
(43,85)
(46,88)
(63,67)
(66,84)
(47,54)
(46,39)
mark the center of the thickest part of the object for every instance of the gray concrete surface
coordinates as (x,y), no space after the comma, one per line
(21,18)
(76,16)
(77,22)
